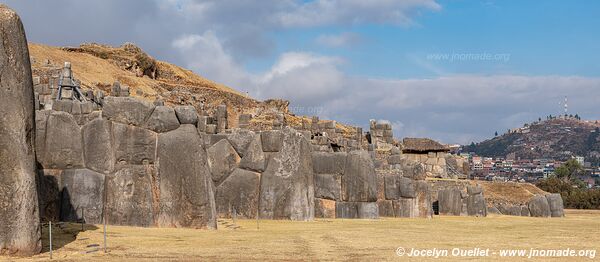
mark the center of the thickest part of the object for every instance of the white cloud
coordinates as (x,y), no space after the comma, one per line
(453,109)
(339,40)
(335,12)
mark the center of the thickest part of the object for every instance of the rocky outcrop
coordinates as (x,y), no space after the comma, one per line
(19,214)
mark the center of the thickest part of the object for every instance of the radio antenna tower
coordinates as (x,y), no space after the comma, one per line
(566,107)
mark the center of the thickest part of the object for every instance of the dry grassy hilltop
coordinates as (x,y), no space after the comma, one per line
(98,66)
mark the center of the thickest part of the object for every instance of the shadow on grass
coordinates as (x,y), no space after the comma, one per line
(63,233)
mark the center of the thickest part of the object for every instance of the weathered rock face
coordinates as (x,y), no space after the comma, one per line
(98,146)
(555,203)
(324,208)
(241,139)
(186,114)
(328,186)
(222,160)
(476,205)
(186,195)
(271,140)
(82,189)
(450,202)
(329,163)
(239,192)
(131,196)
(127,110)
(253,157)
(359,182)
(162,119)
(538,206)
(19,229)
(63,147)
(287,186)
(134,145)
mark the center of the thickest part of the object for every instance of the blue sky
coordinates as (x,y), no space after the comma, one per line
(456,71)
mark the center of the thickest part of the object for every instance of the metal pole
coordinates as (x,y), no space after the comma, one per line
(50,236)
(82,218)
(257,221)
(104,220)
(234,216)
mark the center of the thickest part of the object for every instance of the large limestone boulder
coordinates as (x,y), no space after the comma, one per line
(359,182)
(329,163)
(126,110)
(272,140)
(162,119)
(254,158)
(423,199)
(476,205)
(129,196)
(538,206)
(287,186)
(186,189)
(407,187)
(98,147)
(222,160)
(392,191)
(386,208)
(328,186)
(239,192)
(19,217)
(63,147)
(133,145)
(82,190)
(450,201)
(556,205)
(186,114)
(241,139)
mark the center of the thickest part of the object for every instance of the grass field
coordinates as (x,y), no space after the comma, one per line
(375,240)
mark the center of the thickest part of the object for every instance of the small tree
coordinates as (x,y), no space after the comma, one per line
(569,170)
(496,134)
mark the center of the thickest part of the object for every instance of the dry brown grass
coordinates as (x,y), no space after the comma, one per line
(92,70)
(509,192)
(339,239)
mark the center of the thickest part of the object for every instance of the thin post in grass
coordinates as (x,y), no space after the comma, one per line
(50,236)
(82,218)
(234,217)
(104,222)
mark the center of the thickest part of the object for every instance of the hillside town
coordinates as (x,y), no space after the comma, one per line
(524,170)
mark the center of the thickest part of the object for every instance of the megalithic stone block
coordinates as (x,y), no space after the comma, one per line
(130,199)
(359,182)
(239,192)
(186,189)
(538,206)
(19,213)
(162,119)
(82,189)
(186,114)
(555,203)
(287,186)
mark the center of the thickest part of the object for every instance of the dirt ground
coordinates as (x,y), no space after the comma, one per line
(340,239)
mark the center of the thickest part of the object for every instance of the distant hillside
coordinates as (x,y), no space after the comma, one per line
(557,138)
